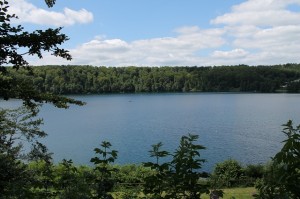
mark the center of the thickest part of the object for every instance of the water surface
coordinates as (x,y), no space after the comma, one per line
(246,127)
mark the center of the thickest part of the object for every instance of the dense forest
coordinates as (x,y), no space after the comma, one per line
(94,80)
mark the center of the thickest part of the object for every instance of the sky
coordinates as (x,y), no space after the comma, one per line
(168,32)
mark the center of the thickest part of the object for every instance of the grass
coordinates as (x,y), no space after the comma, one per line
(238,193)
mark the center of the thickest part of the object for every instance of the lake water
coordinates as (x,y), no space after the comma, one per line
(245,127)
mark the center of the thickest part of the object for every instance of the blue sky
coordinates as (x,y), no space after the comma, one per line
(169,32)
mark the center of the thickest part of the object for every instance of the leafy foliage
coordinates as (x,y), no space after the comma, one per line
(185,169)
(88,79)
(226,173)
(18,128)
(131,174)
(22,87)
(282,178)
(71,182)
(104,181)
(15,43)
(13,176)
(156,184)
(42,179)
(254,171)
(13,38)
(180,177)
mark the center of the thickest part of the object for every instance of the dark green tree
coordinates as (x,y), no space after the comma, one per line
(18,128)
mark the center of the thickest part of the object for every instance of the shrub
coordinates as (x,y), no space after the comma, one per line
(226,174)
(180,177)
(282,178)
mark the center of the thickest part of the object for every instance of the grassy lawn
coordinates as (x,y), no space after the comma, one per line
(238,193)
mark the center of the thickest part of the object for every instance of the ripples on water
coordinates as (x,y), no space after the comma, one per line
(246,127)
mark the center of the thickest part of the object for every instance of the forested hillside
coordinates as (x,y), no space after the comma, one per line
(88,79)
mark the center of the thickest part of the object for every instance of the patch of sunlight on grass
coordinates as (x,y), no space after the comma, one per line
(238,193)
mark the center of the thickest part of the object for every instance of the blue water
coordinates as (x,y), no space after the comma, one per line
(246,127)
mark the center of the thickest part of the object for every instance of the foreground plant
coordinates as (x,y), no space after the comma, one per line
(15,43)
(104,182)
(156,184)
(19,143)
(180,177)
(283,176)
(185,174)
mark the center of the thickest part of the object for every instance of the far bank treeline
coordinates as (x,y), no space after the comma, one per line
(94,80)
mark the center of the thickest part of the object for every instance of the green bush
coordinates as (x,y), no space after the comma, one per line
(254,171)
(226,174)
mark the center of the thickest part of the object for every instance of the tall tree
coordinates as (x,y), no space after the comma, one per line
(18,126)
(15,38)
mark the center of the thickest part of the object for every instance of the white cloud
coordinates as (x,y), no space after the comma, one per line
(179,50)
(232,54)
(254,32)
(29,13)
(172,50)
(268,30)
(261,13)
(275,38)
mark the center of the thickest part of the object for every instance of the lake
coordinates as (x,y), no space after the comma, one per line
(242,126)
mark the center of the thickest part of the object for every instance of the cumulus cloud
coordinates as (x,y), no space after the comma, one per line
(156,51)
(254,32)
(275,38)
(232,54)
(29,13)
(261,13)
(268,30)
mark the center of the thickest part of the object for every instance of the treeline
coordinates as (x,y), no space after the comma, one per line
(96,80)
